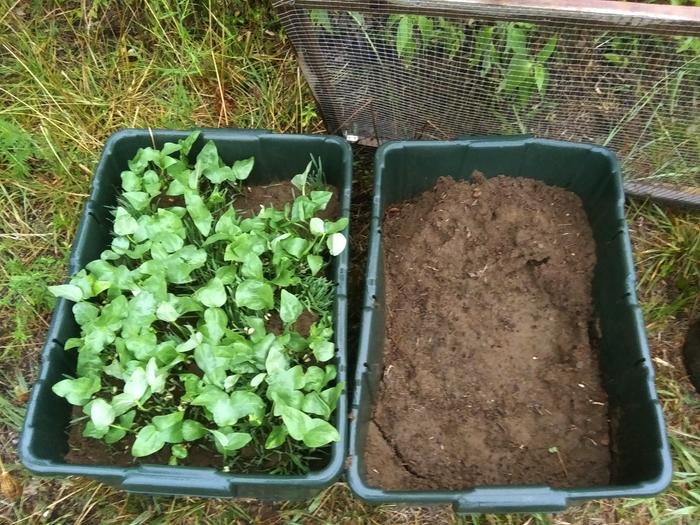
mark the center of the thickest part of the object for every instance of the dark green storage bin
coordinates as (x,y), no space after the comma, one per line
(44,437)
(641,457)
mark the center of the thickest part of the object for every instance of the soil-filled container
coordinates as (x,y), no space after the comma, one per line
(630,451)
(277,157)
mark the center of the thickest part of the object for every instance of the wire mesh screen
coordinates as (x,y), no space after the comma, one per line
(619,74)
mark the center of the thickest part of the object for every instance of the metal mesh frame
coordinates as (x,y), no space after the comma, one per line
(620,74)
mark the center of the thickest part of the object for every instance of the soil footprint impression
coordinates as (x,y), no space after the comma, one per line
(490,370)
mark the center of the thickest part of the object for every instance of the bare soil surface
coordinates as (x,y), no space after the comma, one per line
(490,369)
(278,194)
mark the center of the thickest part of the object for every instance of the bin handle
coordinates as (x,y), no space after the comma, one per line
(511,499)
(177,481)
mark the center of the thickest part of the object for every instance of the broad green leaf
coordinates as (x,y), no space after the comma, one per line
(169,426)
(230,382)
(336,226)
(276,437)
(547,49)
(120,245)
(67,291)
(168,420)
(323,350)
(77,391)
(179,451)
(187,143)
(295,246)
(228,223)
(121,403)
(198,211)
(169,148)
(148,441)
(192,430)
(540,77)
(166,311)
(254,294)
(299,181)
(85,312)
(143,305)
(243,244)
(331,395)
(91,431)
(115,276)
(208,158)
(219,175)
(114,434)
(252,267)
(295,421)
(316,226)
(320,199)
(213,294)
(138,199)
(314,404)
(315,378)
(73,342)
(247,404)
(231,441)
(215,322)
(276,361)
(319,17)
(101,413)
(259,378)
(168,241)
(242,168)
(228,274)
(404,36)
(115,370)
(336,243)
(219,404)
(89,284)
(124,224)
(176,188)
(89,359)
(290,307)
(194,340)
(331,373)
(213,365)
(155,377)
(130,181)
(166,354)
(315,263)
(136,385)
(319,433)
(143,346)
(151,183)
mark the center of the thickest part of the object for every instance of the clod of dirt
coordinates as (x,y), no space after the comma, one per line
(490,376)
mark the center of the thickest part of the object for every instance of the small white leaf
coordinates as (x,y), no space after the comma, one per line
(336,243)
(316,226)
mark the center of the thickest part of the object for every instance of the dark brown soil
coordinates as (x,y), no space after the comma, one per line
(278,194)
(89,451)
(490,376)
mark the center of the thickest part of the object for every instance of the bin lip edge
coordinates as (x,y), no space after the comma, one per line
(377,495)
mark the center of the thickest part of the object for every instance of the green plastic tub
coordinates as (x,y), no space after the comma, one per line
(44,437)
(641,459)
